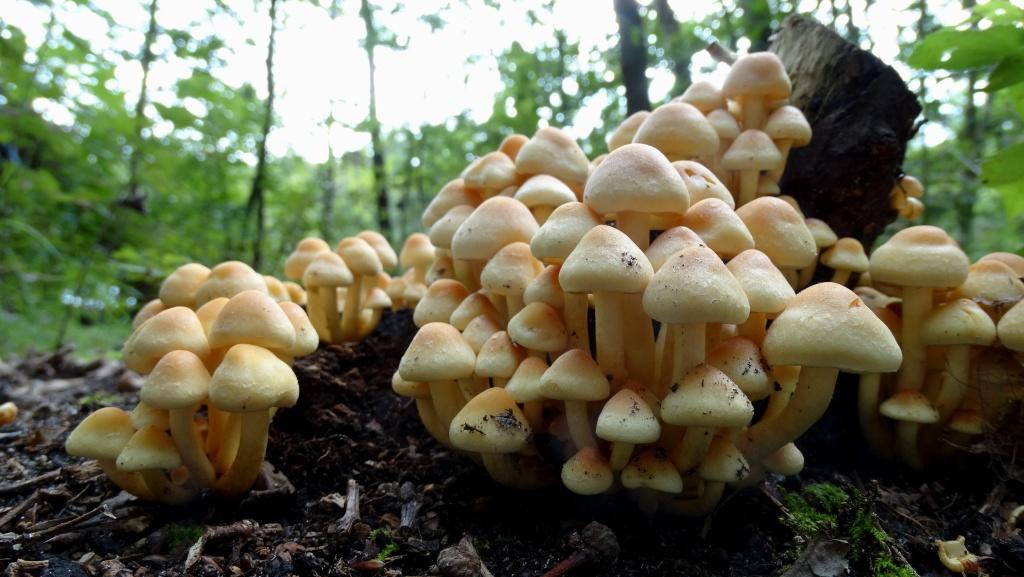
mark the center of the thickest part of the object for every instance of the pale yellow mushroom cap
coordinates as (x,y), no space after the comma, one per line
(360,256)
(636,177)
(574,376)
(180,287)
(176,328)
(752,150)
(724,462)
(148,311)
(490,173)
(990,282)
(388,258)
(544,288)
(719,226)
(404,388)
(327,269)
(497,222)
(304,253)
(538,326)
(101,435)
(704,95)
(524,386)
(491,422)
(499,356)
(452,194)
(779,231)
(179,381)
(625,132)
(253,318)
(437,352)
(554,152)
(627,418)
(510,270)
(764,284)
(562,231)
(788,123)
(846,254)
(251,378)
(910,406)
(669,243)
(479,330)
(920,256)
(652,469)
(149,448)
(757,74)
(701,183)
(441,300)
(605,260)
(740,359)
(544,190)
(707,397)
(473,306)
(679,130)
(958,322)
(1011,328)
(1014,261)
(512,144)
(587,472)
(694,286)
(306,339)
(228,279)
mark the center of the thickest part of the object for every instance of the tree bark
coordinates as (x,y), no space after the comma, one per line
(971,148)
(379,177)
(257,202)
(632,55)
(135,199)
(679,49)
(862,115)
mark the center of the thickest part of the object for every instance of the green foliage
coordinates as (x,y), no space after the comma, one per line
(179,536)
(814,511)
(389,551)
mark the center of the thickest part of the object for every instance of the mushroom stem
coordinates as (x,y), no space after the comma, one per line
(576,310)
(784,147)
(699,506)
(229,446)
(688,349)
(252,447)
(534,413)
(813,393)
(542,212)
(692,449)
(464,274)
(419,273)
(506,471)
(621,452)
(805,275)
(316,313)
(917,301)
(578,420)
(663,360)
(753,113)
(748,186)
(515,304)
(190,447)
(954,381)
(906,443)
(216,427)
(841,276)
(431,422)
(872,425)
(447,400)
(328,297)
(164,490)
(129,481)
(753,327)
(639,333)
(780,398)
(353,304)
(471,387)
(610,350)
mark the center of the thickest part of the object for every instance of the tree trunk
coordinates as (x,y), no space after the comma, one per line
(135,199)
(862,115)
(379,177)
(257,202)
(757,18)
(632,55)
(328,193)
(679,49)
(971,147)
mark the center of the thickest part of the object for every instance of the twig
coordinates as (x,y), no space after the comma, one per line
(721,53)
(351,507)
(29,483)
(410,505)
(569,563)
(103,507)
(18,509)
(242,529)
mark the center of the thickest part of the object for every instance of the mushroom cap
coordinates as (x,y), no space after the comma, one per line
(209,313)
(101,435)
(846,254)
(145,415)
(512,144)
(472,306)
(758,74)
(911,186)
(413,389)
(363,260)
(767,187)
(967,421)
(228,279)
(909,406)
(701,183)
(562,231)
(788,123)
(479,330)
(719,226)
(443,230)
(605,260)
(874,298)
(625,132)
(176,328)
(452,194)
(636,177)
(725,124)
(381,246)
(306,339)
(958,322)
(587,472)
(779,232)
(276,289)
(752,150)
(510,270)
(148,311)
(149,448)
(704,95)
(679,130)
(694,286)
(499,357)
(251,378)
(180,287)
(669,243)
(707,397)
(920,256)
(652,469)
(304,253)
(627,418)
(1011,328)
(1014,261)
(741,360)
(544,288)
(544,190)
(179,381)
(491,422)
(827,325)
(327,269)
(823,234)
(296,293)
(490,173)
(253,318)
(990,282)
(524,386)
(441,300)
(787,460)
(437,353)
(554,152)
(539,327)
(766,287)
(497,222)
(724,462)
(443,267)
(574,376)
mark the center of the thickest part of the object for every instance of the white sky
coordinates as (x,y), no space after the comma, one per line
(321,66)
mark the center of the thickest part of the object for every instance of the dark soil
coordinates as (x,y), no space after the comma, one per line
(59,516)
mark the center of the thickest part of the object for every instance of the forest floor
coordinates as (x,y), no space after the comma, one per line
(362,490)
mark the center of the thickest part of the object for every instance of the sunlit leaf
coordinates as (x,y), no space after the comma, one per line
(1008,72)
(952,49)
(1005,166)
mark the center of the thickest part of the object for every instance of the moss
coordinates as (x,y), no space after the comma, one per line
(100,399)
(815,510)
(388,551)
(180,536)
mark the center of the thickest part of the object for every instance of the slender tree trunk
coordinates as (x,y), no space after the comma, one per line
(379,177)
(757,15)
(679,49)
(135,199)
(971,149)
(257,203)
(632,55)
(922,94)
(329,192)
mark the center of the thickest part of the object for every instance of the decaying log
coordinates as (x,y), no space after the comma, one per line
(862,114)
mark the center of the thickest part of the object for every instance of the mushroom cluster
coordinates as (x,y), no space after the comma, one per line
(961,328)
(214,377)
(614,323)
(348,289)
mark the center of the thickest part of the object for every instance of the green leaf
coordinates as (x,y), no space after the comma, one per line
(999,12)
(1016,94)
(1013,199)
(951,49)
(1008,72)
(1004,167)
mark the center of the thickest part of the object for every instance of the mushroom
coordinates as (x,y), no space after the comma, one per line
(587,472)
(680,131)
(524,386)
(417,254)
(826,328)
(718,226)
(475,305)
(148,311)
(544,288)
(753,81)
(176,328)
(554,152)
(438,355)
(741,360)
(498,359)
(304,253)
(490,174)
(846,256)
(539,328)
(363,261)
(626,420)
(252,317)
(1011,328)
(491,424)
(452,194)
(542,194)
(101,436)
(380,245)
(724,463)
(509,272)
(228,279)
(150,452)
(955,556)
(779,232)
(651,469)
(767,290)
(420,392)
(180,287)
(512,144)
(276,289)
(575,379)
(788,128)
(959,325)
(441,300)
(702,184)
(324,275)
(496,223)
(625,132)
(1014,261)
(8,413)
(993,285)
(703,95)
(751,153)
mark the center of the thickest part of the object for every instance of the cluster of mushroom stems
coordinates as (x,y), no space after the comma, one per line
(679,249)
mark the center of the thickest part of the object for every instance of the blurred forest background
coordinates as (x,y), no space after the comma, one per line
(136,136)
